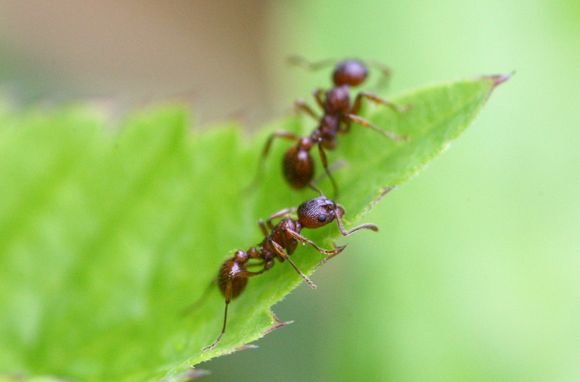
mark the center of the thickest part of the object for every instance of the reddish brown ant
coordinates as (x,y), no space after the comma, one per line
(279,243)
(338,113)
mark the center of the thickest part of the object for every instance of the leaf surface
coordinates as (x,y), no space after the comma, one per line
(107,236)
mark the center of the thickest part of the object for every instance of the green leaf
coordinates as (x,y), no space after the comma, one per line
(107,236)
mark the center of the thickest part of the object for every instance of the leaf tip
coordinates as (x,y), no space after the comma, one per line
(278,324)
(498,79)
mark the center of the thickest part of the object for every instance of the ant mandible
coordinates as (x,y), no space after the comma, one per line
(338,113)
(279,243)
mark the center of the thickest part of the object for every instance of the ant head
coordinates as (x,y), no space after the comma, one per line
(349,72)
(318,212)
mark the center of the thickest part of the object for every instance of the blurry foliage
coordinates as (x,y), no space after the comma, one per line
(475,273)
(107,235)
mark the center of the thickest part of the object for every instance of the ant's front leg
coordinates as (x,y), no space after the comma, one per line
(304,240)
(378,100)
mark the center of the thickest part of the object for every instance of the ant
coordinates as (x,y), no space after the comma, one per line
(279,243)
(338,113)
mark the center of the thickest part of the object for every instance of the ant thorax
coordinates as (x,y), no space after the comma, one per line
(337,100)
(327,131)
(280,234)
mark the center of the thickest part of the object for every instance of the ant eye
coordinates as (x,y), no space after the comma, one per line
(322,218)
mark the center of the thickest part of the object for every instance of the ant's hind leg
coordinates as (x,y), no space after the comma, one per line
(194,306)
(228,299)
(223,331)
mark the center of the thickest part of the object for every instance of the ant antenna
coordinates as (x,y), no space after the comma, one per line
(385,71)
(339,212)
(298,60)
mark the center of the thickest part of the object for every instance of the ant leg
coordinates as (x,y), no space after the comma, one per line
(297,60)
(314,188)
(218,339)
(278,134)
(324,161)
(378,100)
(319,97)
(304,240)
(228,295)
(263,227)
(363,122)
(282,253)
(280,214)
(334,166)
(194,306)
(266,150)
(267,225)
(301,105)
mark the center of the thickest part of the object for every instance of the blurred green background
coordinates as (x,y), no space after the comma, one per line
(475,275)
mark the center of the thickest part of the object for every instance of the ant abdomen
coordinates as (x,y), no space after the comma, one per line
(298,167)
(232,279)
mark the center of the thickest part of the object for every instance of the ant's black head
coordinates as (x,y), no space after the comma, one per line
(318,212)
(349,72)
